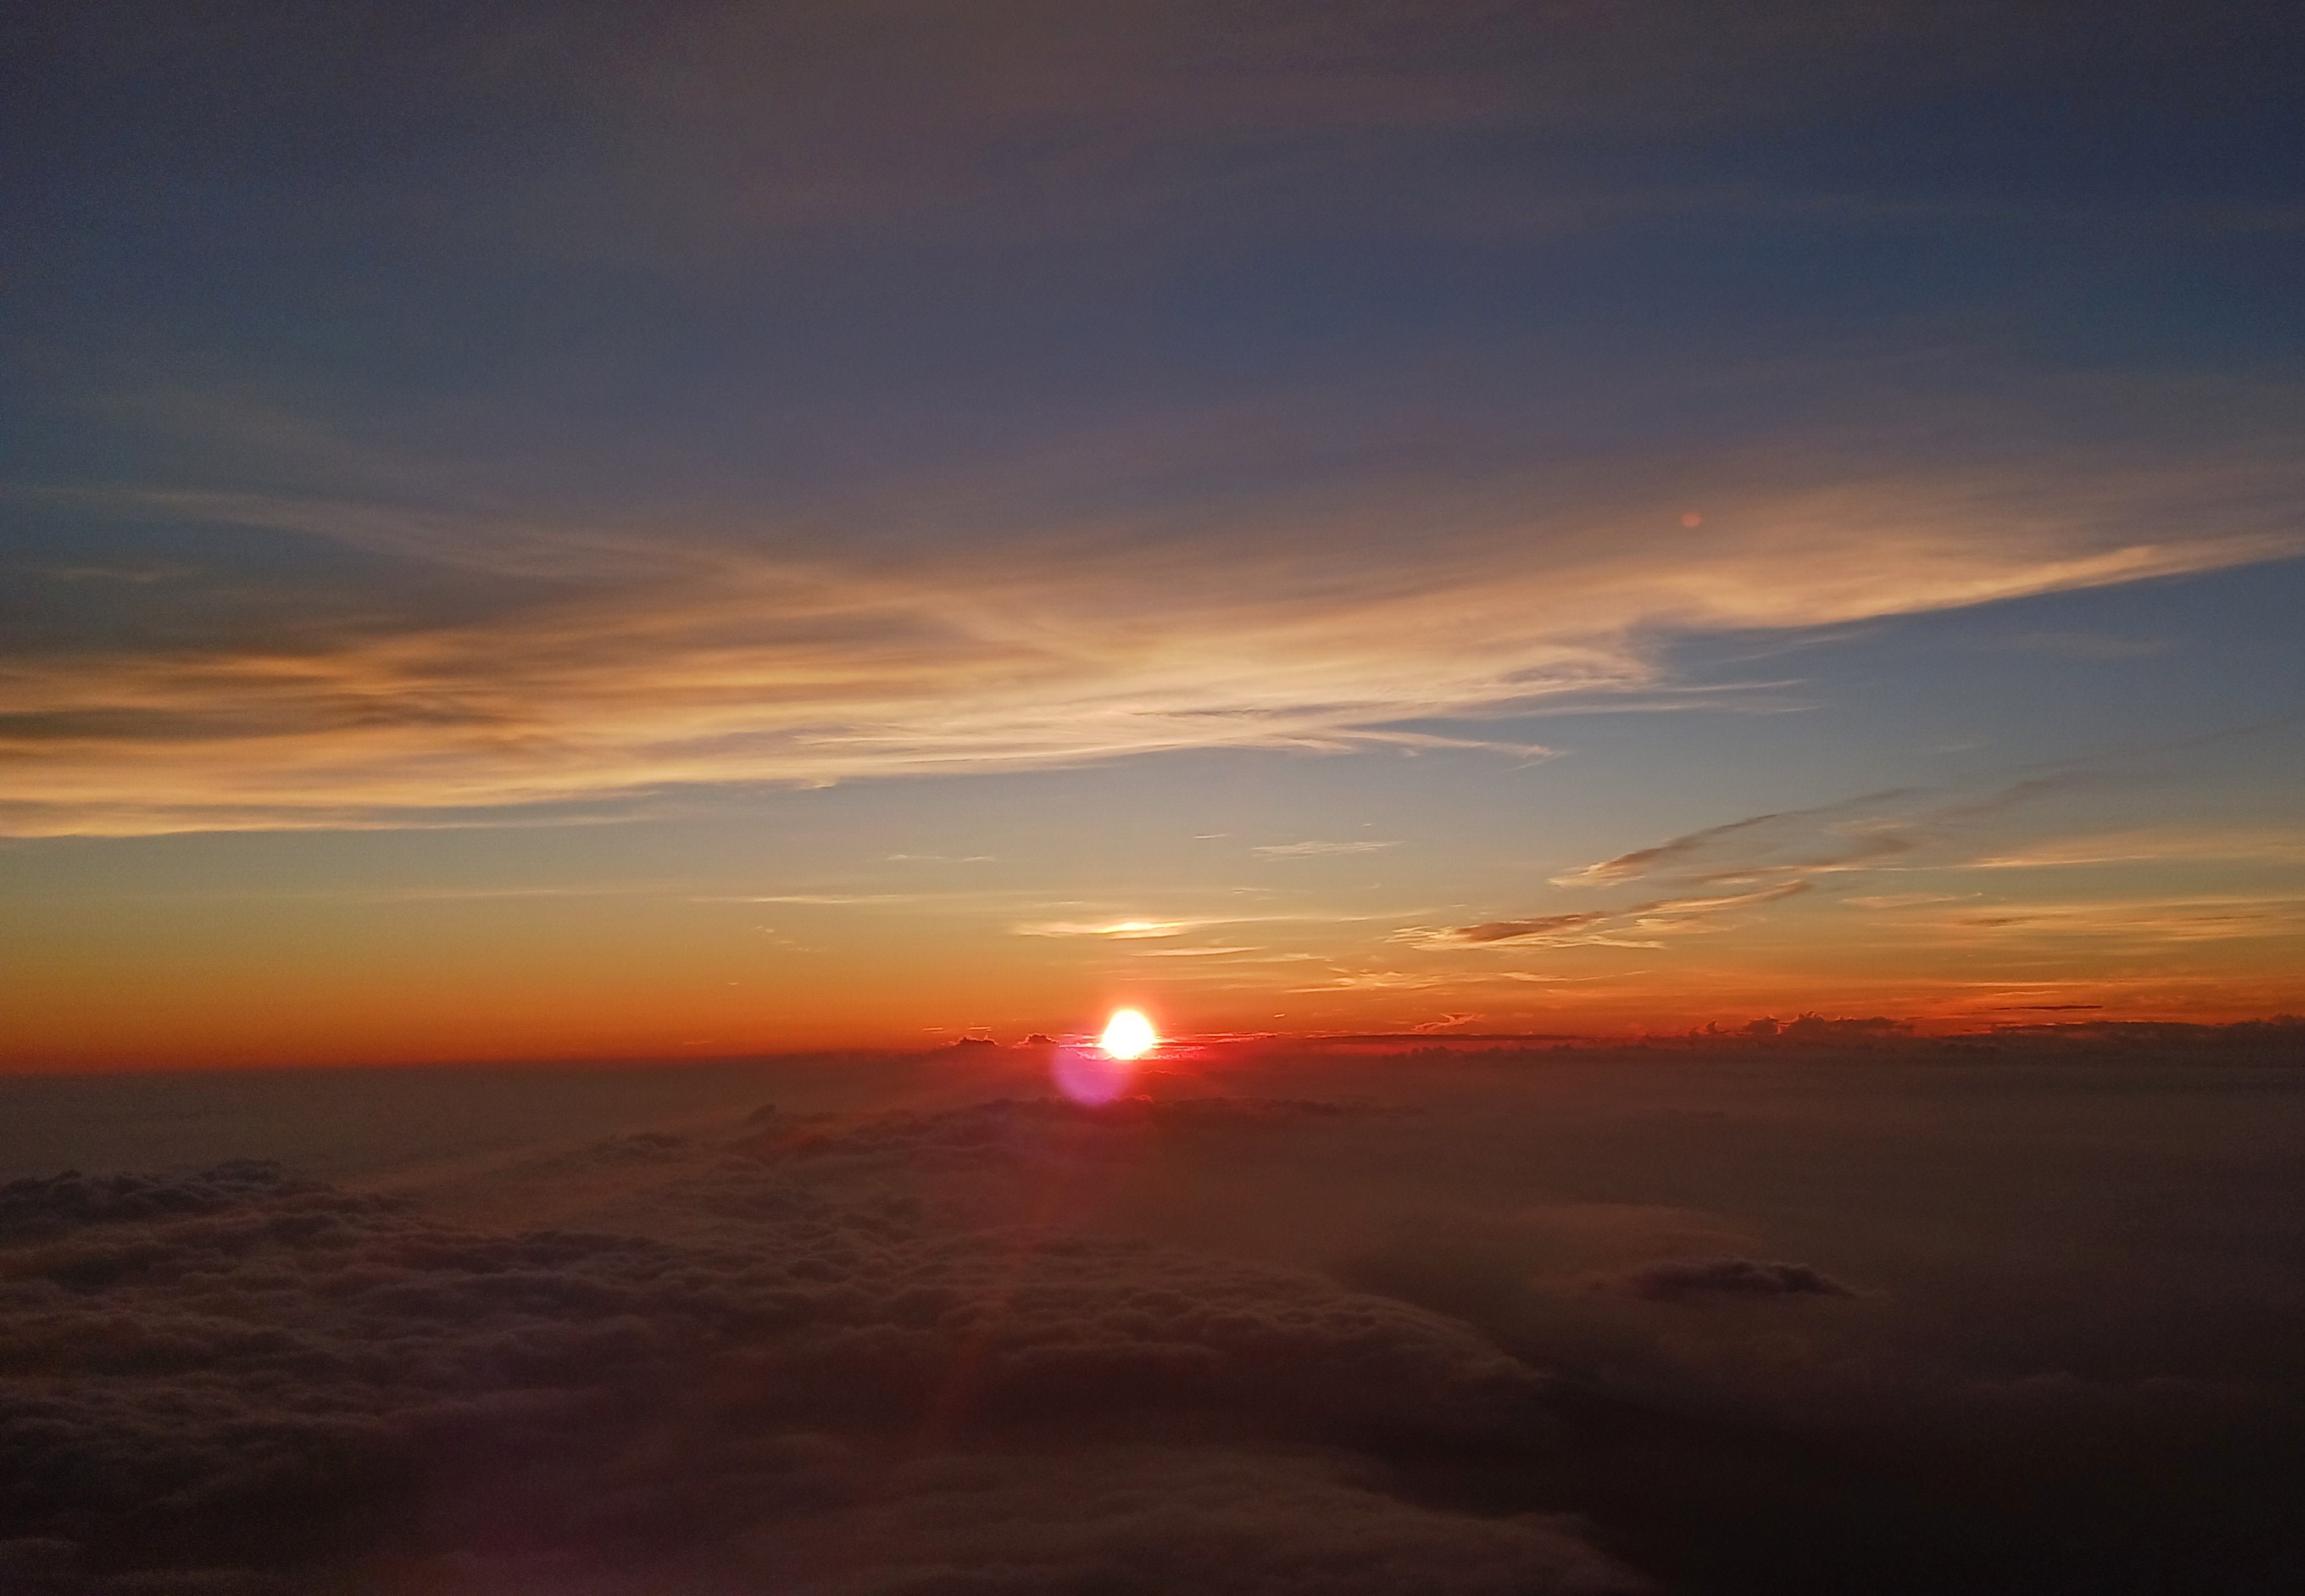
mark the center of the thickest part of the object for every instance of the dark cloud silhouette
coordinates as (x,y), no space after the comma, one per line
(1682,1279)
(1810,1027)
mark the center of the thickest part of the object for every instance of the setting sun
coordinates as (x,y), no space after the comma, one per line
(1129,1035)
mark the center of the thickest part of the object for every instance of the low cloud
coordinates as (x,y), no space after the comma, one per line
(1686,1279)
(1505,1325)
(246,1379)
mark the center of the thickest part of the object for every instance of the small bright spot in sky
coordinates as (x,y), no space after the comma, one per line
(1128,1034)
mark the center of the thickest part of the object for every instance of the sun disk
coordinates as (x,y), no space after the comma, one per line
(1129,1035)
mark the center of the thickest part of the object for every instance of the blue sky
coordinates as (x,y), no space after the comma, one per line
(1015,462)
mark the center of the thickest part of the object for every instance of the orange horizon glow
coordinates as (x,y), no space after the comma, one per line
(539,1032)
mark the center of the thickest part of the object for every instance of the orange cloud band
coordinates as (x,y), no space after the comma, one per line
(673,660)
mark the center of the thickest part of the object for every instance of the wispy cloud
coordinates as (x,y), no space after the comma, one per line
(1551,979)
(1195,953)
(1118,930)
(1381,980)
(1853,834)
(1307,850)
(2144,921)
(634,660)
(1639,926)
(2148,844)
(1457,978)
(1853,831)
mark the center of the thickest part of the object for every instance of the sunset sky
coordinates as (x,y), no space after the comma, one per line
(637,530)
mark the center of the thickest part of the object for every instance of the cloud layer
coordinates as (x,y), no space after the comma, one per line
(237,1377)
(685,659)
(1758,1321)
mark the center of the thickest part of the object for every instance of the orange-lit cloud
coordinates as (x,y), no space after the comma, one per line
(1122,931)
(650,659)
(1195,953)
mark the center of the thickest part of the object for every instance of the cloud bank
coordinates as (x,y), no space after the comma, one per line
(237,1381)
(1755,1323)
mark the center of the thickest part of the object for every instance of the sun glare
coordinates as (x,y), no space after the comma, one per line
(1129,1035)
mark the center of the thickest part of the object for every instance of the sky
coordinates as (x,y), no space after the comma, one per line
(643,530)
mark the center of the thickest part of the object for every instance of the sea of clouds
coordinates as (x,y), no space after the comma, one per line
(1520,1323)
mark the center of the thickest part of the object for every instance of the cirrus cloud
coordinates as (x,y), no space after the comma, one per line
(621,661)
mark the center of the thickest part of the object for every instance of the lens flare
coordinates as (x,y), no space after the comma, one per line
(1129,1035)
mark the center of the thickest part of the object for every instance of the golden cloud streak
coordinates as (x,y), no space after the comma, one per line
(725,665)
